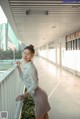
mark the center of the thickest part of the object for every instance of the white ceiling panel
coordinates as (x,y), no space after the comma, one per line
(46,20)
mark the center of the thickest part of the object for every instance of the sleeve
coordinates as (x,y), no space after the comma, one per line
(31,82)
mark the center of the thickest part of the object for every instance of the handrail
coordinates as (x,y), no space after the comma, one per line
(2,78)
(10,87)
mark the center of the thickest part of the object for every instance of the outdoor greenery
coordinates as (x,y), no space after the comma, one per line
(28,108)
(9,54)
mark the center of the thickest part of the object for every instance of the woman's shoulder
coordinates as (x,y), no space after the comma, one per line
(30,67)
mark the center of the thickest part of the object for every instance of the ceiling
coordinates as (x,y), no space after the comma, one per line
(38,22)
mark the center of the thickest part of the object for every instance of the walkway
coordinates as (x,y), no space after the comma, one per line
(63,89)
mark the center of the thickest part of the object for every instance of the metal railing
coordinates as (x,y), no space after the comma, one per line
(10,87)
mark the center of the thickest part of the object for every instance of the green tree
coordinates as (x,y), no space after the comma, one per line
(8,54)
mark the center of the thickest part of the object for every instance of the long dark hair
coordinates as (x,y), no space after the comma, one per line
(31,48)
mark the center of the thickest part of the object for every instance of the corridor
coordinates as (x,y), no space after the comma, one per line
(63,89)
(53,28)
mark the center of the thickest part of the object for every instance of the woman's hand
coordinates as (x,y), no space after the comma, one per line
(18,63)
(20,97)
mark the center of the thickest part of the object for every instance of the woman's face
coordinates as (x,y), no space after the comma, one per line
(27,55)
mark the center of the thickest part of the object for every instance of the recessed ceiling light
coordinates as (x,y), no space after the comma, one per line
(44,38)
(53,27)
(75,6)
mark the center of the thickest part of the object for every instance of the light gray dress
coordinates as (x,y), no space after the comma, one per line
(30,79)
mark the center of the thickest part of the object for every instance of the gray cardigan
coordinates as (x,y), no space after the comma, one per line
(30,77)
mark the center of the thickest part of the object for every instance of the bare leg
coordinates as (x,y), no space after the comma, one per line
(46,116)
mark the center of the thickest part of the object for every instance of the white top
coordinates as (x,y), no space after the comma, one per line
(30,77)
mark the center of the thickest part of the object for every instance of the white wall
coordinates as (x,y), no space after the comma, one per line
(69,59)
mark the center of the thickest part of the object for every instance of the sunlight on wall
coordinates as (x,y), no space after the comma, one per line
(70,58)
(52,55)
(58,56)
(78,60)
(49,54)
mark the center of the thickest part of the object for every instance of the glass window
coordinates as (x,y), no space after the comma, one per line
(69,45)
(78,44)
(75,44)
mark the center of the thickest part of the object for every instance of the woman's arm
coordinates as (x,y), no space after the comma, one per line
(30,80)
(19,68)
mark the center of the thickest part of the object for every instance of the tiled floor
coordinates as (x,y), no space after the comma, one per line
(63,89)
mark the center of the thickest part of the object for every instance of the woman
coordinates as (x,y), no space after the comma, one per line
(30,79)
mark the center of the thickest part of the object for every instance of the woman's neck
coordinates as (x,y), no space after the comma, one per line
(28,61)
